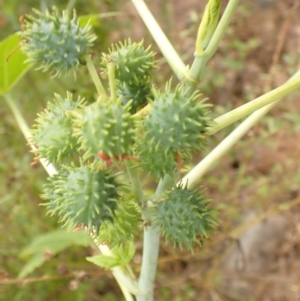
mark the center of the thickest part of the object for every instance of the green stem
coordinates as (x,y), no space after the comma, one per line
(50,168)
(112,81)
(149,263)
(160,38)
(96,79)
(151,249)
(221,28)
(195,74)
(250,107)
(206,164)
(135,182)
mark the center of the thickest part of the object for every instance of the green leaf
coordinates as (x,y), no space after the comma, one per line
(104,261)
(124,253)
(36,261)
(50,243)
(12,63)
(121,256)
(55,242)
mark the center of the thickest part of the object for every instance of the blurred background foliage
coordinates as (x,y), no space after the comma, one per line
(249,185)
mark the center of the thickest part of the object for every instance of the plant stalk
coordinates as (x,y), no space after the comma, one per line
(96,79)
(160,38)
(50,168)
(135,182)
(250,107)
(206,164)
(195,73)
(151,249)
(149,263)
(191,78)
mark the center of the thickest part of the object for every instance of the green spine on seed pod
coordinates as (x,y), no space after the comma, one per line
(52,132)
(124,226)
(55,41)
(106,128)
(178,121)
(184,218)
(82,196)
(137,94)
(134,63)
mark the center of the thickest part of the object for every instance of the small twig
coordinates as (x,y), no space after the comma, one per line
(74,275)
(278,49)
(96,79)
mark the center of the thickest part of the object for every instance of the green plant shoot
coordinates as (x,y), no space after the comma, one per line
(208,25)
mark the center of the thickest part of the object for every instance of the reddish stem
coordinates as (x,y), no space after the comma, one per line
(109,160)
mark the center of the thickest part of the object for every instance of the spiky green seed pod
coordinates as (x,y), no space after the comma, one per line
(82,196)
(134,63)
(107,128)
(184,218)
(178,121)
(125,225)
(52,132)
(155,160)
(55,41)
(138,94)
